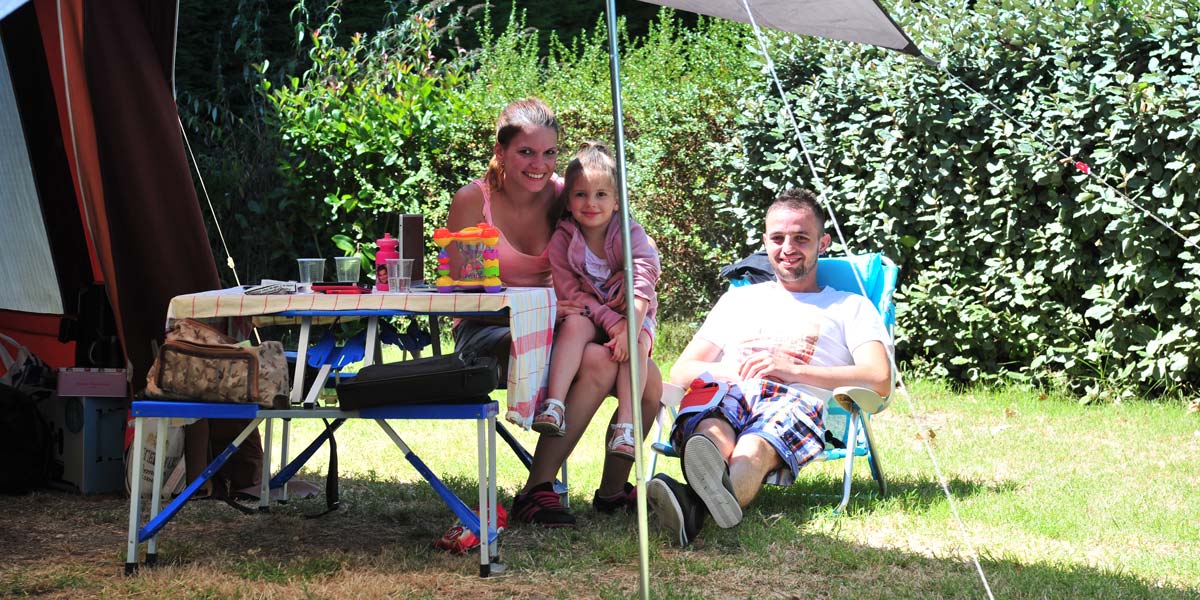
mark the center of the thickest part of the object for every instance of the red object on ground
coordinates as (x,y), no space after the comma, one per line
(459,539)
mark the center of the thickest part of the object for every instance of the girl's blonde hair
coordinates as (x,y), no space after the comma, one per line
(592,156)
(517,116)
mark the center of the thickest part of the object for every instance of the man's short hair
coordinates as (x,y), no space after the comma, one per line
(797,198)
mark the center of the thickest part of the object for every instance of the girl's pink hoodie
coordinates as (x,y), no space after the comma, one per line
(567,251)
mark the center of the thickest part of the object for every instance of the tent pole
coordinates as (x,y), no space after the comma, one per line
(631,321)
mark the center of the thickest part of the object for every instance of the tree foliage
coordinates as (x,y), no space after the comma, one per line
(1016,263)
(361,128)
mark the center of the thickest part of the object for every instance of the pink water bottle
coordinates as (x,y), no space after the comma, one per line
(388,248)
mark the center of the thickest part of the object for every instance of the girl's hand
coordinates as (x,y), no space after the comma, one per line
(619,346)
(567,308)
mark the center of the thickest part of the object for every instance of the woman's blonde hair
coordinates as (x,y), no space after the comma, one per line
(592,156)
(517,116)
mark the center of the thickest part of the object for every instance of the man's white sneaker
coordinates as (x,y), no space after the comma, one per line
(708,475)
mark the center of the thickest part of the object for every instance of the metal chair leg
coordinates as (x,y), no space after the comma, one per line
(873,459)
(851,443)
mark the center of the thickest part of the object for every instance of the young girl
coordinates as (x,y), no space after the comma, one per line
(588,267)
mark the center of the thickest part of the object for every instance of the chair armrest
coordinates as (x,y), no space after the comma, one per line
(672,394)
(869,401)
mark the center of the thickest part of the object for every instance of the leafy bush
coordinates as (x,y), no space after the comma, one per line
(360,129)
(667,75)
(1015,263)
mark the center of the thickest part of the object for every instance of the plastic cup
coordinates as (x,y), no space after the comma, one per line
(348,268)
(399,272)
(311,269)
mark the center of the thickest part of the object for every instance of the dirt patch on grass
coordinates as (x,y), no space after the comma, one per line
(62,545)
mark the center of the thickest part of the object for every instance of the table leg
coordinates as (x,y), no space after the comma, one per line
(160,450)
(372,341)
(264,492)
(153,526)
(310,401)
(493,507)
(469,518)
(485,512)
(285,435)
(301,360)
(135,496)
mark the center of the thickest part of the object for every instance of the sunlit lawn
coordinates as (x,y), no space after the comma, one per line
(1058,500)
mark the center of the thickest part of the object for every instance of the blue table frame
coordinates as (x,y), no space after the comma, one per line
(483,413)
(305,407)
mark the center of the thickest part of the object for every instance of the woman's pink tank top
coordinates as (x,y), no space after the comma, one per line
(517,268)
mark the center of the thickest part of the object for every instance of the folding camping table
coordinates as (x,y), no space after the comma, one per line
(531,314)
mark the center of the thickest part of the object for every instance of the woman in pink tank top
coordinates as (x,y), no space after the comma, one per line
(519,195)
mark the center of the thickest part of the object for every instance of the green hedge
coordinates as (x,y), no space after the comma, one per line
(362,128)
(1014,262)
(382,124)
(680,95)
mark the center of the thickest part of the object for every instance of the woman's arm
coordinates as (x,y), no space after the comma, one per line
(466,210)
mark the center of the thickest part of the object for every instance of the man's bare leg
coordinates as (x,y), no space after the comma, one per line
(749,458)
(753,457)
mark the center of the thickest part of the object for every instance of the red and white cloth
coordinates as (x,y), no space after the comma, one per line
(531,319)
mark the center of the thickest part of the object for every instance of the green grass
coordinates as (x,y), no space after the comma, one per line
(1058,500)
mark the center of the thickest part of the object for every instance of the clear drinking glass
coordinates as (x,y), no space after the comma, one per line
(399,271)
(348,268)
(311,269)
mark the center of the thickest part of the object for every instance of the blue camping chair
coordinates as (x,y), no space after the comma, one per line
(848,413)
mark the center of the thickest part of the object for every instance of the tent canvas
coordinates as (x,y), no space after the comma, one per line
(104,163)
(858,21)
(23,240)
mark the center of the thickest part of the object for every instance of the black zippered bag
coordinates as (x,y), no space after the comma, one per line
(451,378)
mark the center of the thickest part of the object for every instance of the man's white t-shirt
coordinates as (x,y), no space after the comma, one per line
(820,328)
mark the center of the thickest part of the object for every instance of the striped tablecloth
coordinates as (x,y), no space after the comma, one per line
(531,316)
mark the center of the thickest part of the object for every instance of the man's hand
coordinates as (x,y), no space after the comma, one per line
(619,346)
(777,366)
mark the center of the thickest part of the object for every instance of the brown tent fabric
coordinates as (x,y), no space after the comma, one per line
(158,242)
(77,128)
(139,204)
(111,70)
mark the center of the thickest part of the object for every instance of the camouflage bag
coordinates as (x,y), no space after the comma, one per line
(200,364)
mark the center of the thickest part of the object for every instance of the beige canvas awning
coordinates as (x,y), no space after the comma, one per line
(860,21)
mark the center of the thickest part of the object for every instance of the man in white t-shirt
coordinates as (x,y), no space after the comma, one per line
(766,359)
